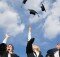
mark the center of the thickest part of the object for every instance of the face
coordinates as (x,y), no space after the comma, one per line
(9,48)
(58,46)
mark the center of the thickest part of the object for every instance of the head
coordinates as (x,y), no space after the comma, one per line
(35,48)
(10,48)
(58,46)
(2,48)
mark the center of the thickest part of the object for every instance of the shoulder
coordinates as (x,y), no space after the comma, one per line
(52,50)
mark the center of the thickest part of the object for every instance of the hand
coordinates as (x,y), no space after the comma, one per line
(7,36)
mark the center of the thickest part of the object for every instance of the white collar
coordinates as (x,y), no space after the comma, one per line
(56,54)
(9,55)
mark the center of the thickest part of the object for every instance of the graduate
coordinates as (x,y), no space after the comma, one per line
(7,49)
(32,50)
(55,52)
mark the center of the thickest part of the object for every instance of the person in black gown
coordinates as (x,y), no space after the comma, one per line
(32,50)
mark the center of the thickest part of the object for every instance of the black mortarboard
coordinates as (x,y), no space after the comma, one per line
(43,8)
(24,1)
(32,11)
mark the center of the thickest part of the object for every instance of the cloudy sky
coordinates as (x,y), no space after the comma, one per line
(15,19)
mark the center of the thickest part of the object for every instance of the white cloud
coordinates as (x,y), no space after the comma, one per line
(3,6)
(34,19)
(9,20)
(15,29)
(52,27)
(52,24)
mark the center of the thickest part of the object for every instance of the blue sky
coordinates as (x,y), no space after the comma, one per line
(15,19)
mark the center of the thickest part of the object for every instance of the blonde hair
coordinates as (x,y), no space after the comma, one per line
(36,47)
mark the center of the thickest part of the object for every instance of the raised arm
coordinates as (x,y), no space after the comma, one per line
(29,33)
(29,46)
(29,43)
(6,38)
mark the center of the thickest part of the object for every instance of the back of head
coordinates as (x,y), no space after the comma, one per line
(2,48)
(36,47)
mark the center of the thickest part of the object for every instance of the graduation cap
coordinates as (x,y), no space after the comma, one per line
(43,8)
(24,1)
(33,12)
